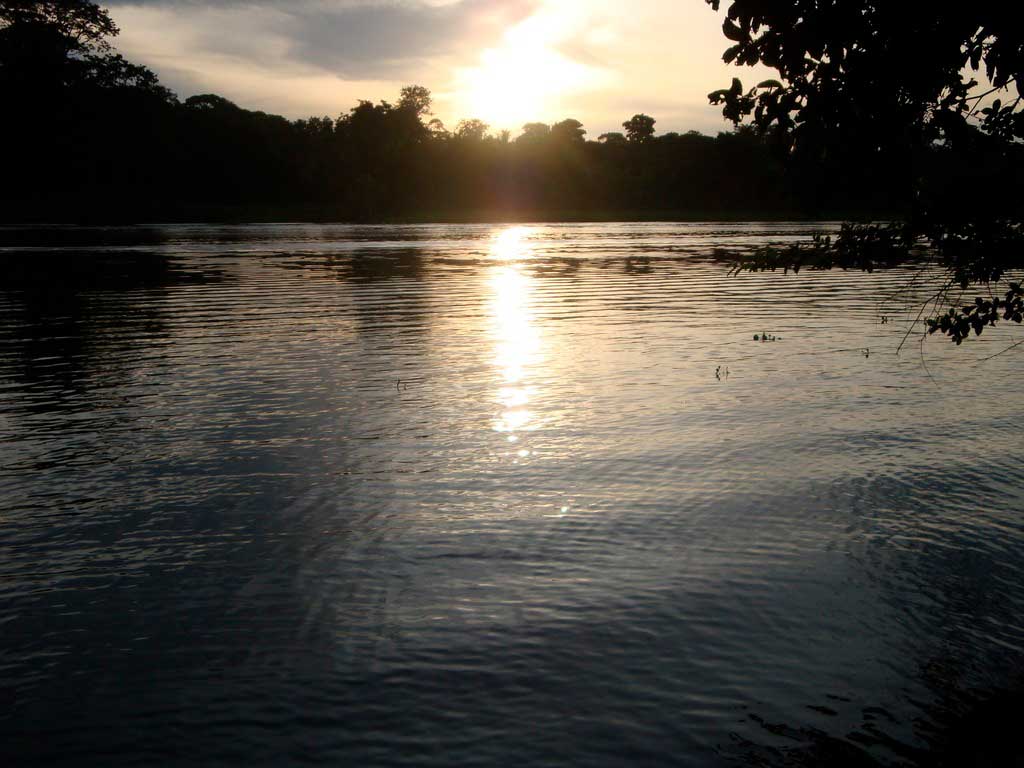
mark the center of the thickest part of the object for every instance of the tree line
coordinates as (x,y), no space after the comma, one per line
(93,136)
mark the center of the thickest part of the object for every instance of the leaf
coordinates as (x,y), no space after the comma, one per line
(732,31)
(769,84)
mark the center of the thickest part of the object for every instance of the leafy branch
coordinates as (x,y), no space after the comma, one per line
(972,254)
(958,323)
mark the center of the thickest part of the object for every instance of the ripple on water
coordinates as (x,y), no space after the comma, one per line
(475,494)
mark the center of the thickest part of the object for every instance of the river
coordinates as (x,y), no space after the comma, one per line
(493,495)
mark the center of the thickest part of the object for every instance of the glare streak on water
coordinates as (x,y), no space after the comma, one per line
(479,494)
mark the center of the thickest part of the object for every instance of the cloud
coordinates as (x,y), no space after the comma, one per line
(596,60)
(352,40)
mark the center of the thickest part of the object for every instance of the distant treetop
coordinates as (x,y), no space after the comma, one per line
(639,128)
(416,99)
(535,132)
(569,130)
(471,130)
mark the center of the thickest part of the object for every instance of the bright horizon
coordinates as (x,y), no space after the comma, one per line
(506,62)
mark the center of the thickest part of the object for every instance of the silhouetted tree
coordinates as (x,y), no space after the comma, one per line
(81,26)
(897,71)
(471,130)
(639,128)
(74,112)
(416,99)
(535,132)
(883,87)
(437,130)
(568,130)
(49,46)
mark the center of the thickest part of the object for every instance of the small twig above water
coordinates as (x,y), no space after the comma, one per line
(1001,352)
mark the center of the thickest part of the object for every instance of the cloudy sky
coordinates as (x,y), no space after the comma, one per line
(503,61)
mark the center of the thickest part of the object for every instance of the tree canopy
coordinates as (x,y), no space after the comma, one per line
(864,67)
(416,99)
(639,128)
(568,130)
(81,25)
(883,85)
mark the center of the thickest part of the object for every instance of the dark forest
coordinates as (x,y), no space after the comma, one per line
(93,137)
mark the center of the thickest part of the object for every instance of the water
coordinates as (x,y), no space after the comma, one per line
(484,495)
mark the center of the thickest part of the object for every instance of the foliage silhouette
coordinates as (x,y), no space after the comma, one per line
(568,130)
(471,130)
(639,128)
(98,138)
(415,98)
(81,26)
(535,132)
(884,87)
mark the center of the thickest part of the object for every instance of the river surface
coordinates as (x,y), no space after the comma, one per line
(486,495)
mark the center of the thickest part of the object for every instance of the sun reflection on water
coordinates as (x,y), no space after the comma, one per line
(517,343)
(512,244)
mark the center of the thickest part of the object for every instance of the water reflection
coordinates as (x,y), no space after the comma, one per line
(79,323)
(802,568)
(517,342)
(512,244)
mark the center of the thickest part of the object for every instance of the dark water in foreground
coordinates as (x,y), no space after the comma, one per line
(472,495)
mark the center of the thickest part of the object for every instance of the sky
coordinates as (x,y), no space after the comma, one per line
(506,62)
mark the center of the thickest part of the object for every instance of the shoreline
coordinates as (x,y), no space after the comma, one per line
(252,215)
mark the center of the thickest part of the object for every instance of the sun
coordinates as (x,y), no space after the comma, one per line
(526,78)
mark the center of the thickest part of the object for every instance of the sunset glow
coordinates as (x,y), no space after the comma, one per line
(505,62)
(525,78)
(511,244)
